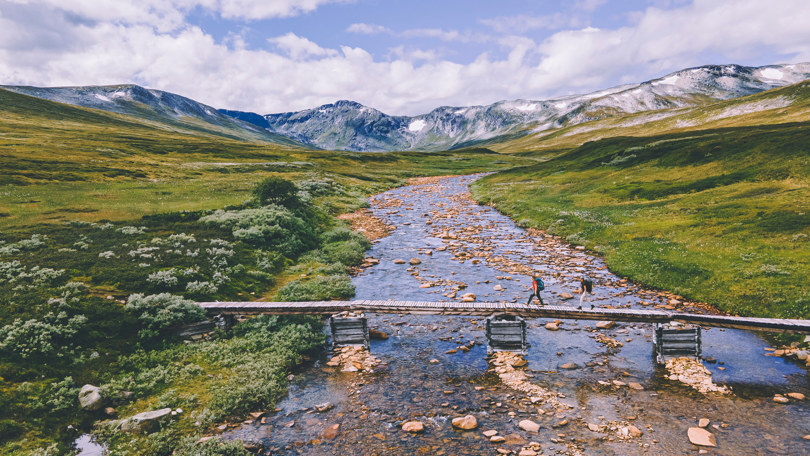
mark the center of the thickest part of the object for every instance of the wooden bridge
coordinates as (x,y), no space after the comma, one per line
(485,309)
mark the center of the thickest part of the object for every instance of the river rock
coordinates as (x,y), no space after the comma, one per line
(490,433)
(515,439)
(468,297)
(552,326)
(465,422)
(399,261)
(635,386)
(253,446)
(529,426)
(630,432)
(498,287)
(413,426)
(781,399)
(703,422)
(324,407)
(527,452)
(797,396)
(605,324)
(415,261)
(569,366)
(331,432)
(90,398)
(497,439)
(702,437)
(145,422)
(566,296)
(376,334)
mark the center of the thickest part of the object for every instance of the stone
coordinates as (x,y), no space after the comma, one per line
(801,355)
(497,288)
(434,361)
(399,261)
(569,366)
(605,324)
(490,433)
(145,422)
(331,432)
(497,439)
(527,452)
(632,431)
(566,296)
(324,407)
(468,297)
(376,334)
(413,426)
(415,261)
(465,422)
(797,396)
(253,446)
(593,427)
(514,439)
(635,386)
(807,437)
(703,422)
(780,399)
(109,411)
(702,437)
(552,326)
(90,398)
(529,426)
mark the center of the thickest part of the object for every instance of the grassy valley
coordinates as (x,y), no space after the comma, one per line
(110,228)
(720,215)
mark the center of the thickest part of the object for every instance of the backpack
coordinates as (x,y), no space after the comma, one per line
(540,285)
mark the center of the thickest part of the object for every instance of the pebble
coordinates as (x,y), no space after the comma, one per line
(413,426)
(605,324)
(702,437)
(465,422)
(490,433)
(415,261)
(703,422)
(497,439)
(797,396)
(780,399)
(529,426)
(569,366)
(399,261)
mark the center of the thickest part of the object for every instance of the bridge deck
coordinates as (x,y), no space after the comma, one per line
(489,308)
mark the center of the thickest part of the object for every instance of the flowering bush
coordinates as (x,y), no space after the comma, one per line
(160,312)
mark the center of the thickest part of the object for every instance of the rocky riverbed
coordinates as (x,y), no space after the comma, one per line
(583,388)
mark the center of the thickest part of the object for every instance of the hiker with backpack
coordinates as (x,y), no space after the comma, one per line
(537,287)
(586,286)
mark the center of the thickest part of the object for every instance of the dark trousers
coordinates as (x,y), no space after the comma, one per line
(537,296)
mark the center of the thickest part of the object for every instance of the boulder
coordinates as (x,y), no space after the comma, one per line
(702,437)
(145,422)
(552,326)
(605,324)
(415,261)
(413,426)
(465,422)
(529,426)
(90,398)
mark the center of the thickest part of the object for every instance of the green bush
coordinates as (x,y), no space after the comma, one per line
(321,288)
(213,447)
(48,338)
(275,190)
(275,227)
(160,312)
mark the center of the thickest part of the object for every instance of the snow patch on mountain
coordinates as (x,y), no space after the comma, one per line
(417,125)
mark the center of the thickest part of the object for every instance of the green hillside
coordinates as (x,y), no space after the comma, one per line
(109,229)
(720,215)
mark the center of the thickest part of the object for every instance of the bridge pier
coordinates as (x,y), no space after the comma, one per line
(225,321)
(349,330)
(674,340)
(506,333)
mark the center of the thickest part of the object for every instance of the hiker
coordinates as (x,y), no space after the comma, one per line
(537,287)
(586,286)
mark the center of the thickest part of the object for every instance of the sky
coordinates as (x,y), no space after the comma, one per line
(401,57)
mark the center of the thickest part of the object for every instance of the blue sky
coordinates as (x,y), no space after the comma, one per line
(402,57)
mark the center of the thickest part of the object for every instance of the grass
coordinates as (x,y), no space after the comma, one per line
(719,215)
(96,206)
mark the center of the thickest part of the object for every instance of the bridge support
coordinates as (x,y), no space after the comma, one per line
(674,340)
(506,333)
(224,322)
(349,330)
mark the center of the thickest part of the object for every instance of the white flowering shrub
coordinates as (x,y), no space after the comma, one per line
(201,288)
(160,312)
(35,242)
(271,226)
(107,254)
(131,230)
(165,278)
(50,337)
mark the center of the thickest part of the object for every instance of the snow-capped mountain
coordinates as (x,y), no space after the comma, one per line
(153,105)
(346,125)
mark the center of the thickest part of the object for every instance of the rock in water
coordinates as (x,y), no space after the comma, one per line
(529,426)
(552,326)
(413,426)
(331,432)
(415,261)
(566,296)
(702,437)
(146,421)
(465,422)
(605,324)
(376,334)
(90,398)
(703,422)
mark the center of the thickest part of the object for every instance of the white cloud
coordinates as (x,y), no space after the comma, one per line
(367,29)
(523,23)
(298,47)
(46,45)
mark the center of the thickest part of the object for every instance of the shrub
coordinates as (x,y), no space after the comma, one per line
(50,337)
(321,288)
(160,312)
(201,288)
(275,190)
(272,226)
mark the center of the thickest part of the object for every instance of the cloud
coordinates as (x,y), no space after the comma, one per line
(522,23)
(73,44)
(297,47)
(367,29)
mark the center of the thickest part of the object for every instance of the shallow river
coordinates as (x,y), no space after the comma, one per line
(476,247)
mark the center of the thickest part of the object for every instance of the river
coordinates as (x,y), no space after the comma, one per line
(477,250)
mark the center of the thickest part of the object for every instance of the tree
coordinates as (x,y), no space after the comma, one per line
(275,190)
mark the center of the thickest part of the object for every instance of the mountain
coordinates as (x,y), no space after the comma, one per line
(161,108)
(346,125)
